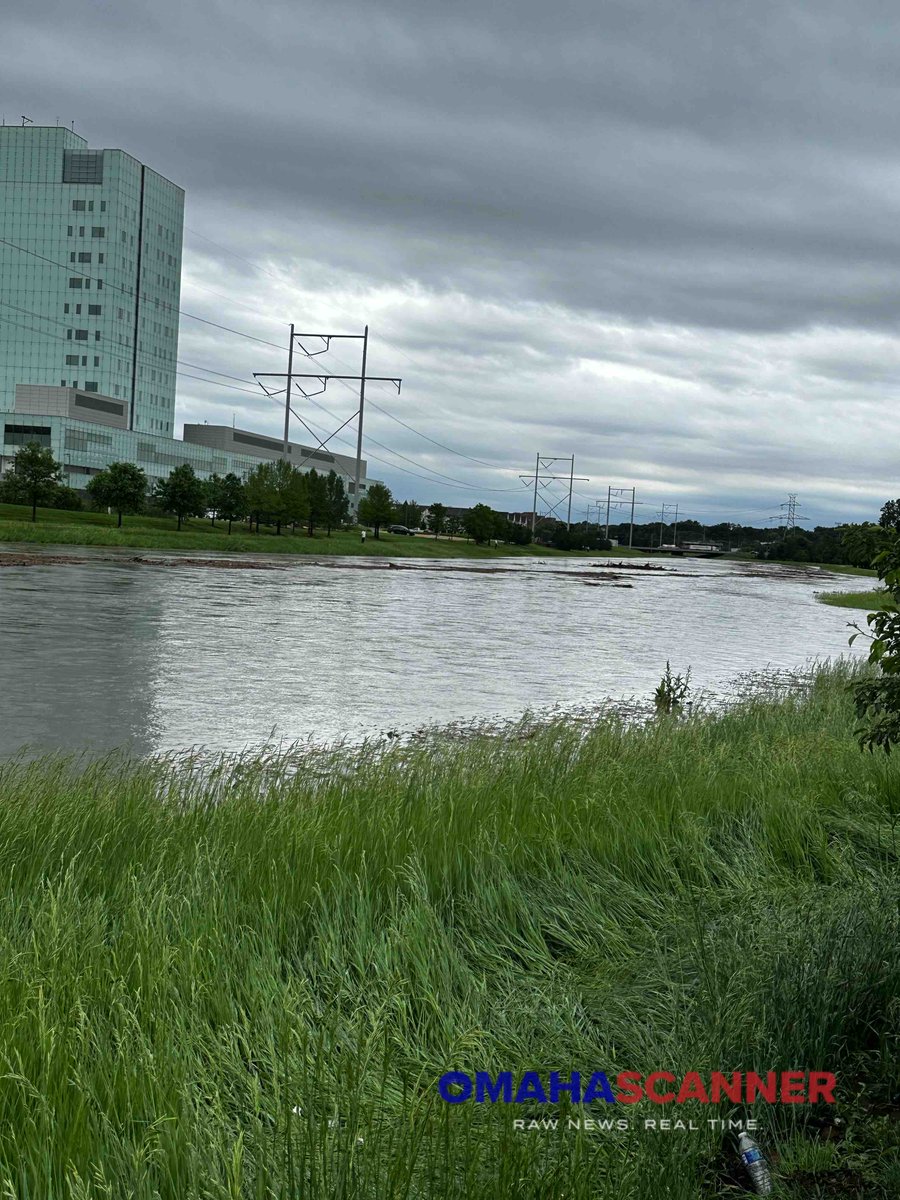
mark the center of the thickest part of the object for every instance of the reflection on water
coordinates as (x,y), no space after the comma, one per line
(107,654)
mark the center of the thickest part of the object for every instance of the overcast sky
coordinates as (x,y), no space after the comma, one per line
(661,235)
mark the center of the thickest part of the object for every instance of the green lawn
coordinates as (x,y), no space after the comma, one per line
(206,997)
(54,526)
(867,600)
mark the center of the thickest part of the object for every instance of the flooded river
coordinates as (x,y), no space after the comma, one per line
(102,654)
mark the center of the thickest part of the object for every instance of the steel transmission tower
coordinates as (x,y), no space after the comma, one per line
(542,477)
(615,498)
(322,377)
(788,517)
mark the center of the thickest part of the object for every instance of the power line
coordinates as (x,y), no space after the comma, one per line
(70,268)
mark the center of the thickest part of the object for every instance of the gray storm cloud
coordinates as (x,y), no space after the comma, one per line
(662,235)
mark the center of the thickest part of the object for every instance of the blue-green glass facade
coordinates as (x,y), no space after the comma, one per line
(90,282)
(90,273)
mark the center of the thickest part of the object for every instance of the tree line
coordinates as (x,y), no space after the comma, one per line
(274,493)
(278,494)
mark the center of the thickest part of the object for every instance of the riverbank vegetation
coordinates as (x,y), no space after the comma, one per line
(65,528)
(864,600)
(243,977)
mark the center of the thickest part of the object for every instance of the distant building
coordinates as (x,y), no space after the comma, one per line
(90,283)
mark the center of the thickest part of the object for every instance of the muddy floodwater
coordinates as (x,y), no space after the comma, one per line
(153,653)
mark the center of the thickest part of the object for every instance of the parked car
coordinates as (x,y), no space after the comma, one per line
(400,529)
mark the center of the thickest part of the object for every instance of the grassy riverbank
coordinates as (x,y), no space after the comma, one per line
(837,568)
(56,527)
(183,966)
(865,600)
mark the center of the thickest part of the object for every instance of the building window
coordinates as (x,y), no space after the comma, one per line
(98,231)
(96,360)
(62,383)
(96,335)
(94,310)
(98,405)
(90,206)
(103,206)
(82,166)
(81,335)
(69,334)
(100,258)
(71,230)
(81,231)
(91,387)
(76,283)
(71,360)
(72,257)
(21,435)
(84,360)
(78,206)
(99,285)
(77,310)
(65,308)
(84,256)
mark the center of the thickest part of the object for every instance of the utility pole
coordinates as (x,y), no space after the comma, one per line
(323,377)
(287,399)
(537,471)
(615,497)
(359,429)
(631,522)
(543,464)
(662,518)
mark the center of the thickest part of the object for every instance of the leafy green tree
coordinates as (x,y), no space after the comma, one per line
(258,493)
(277,492)
(513,534)
(232,499)
(317,507)
(376,508)
(294,491)
(436,521)
(479,523)
(122,486)
(545,528)
(213,487)
(35,478)
(337,508)
(877,696)
(890,516)
(182,493)
(67,498)
(454,526)
(862,543)
(408,513)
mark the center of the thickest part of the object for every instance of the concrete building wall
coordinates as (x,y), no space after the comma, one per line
(262,448)
(68,402)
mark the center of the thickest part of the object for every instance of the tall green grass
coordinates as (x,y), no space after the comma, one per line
(190,951)
(868,601)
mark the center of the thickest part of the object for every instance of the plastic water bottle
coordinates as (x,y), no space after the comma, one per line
(757,1168)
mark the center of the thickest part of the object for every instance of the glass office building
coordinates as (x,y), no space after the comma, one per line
(90,281)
